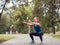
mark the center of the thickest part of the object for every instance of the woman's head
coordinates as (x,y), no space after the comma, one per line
(36,19)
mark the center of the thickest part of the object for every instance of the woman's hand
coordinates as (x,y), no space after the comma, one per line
(37,24)
(31,24)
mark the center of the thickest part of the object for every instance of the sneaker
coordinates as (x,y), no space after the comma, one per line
(32,42)
(41,42)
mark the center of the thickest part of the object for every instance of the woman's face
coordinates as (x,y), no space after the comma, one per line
(36,19)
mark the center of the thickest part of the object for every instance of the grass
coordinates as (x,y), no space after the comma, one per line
(55,36)
(6,37)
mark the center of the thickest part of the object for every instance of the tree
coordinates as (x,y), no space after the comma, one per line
(47,8)
(17,13)
(4,24)
(19,16)
(3,8)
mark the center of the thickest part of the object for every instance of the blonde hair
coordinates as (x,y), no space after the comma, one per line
(36,18)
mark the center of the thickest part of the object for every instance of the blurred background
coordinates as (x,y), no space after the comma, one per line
(14,12)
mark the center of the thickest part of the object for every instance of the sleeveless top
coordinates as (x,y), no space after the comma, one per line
(38,29)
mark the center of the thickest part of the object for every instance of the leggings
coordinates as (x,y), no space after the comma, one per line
(36,34)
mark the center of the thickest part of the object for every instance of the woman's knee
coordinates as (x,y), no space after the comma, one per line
(30,33)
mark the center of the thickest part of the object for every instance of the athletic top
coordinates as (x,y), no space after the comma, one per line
(38,29)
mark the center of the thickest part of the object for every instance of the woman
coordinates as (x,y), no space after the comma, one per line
(38,29)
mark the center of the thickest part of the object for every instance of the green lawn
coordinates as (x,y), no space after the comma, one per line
(6,37)
(55,36)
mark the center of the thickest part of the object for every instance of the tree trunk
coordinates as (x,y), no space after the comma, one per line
(53,26)
(2,9)
(53,7)
(53,29)
(0,16)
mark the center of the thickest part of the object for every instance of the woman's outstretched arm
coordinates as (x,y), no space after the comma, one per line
(37,24)
(29,23)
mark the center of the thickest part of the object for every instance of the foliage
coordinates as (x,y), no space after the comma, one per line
(23,11)
(5,37)
(49,20)
(4,24)
(19,16)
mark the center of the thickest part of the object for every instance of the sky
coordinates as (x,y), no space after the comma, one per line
(10,4)
(16,3)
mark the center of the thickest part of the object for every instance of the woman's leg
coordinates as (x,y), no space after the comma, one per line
(41,37)
(33,34)
(36,34)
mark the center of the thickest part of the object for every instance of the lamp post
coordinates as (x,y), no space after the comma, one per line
(28,20)
(29,26)
(11,28)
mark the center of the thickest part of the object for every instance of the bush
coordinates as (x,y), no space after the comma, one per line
(4,24)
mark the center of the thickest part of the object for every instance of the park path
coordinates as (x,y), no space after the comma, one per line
(24,39)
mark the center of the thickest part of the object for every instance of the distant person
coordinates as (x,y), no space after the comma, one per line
(38,29)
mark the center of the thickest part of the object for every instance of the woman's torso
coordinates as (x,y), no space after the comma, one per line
(38,29)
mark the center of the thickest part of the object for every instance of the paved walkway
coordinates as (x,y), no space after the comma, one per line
(24,39)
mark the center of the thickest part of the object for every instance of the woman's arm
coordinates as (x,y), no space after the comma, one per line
(37,24)
(29,23)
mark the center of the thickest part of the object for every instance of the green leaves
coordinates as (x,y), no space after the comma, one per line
(39,8)
(19,16)
(4,24)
